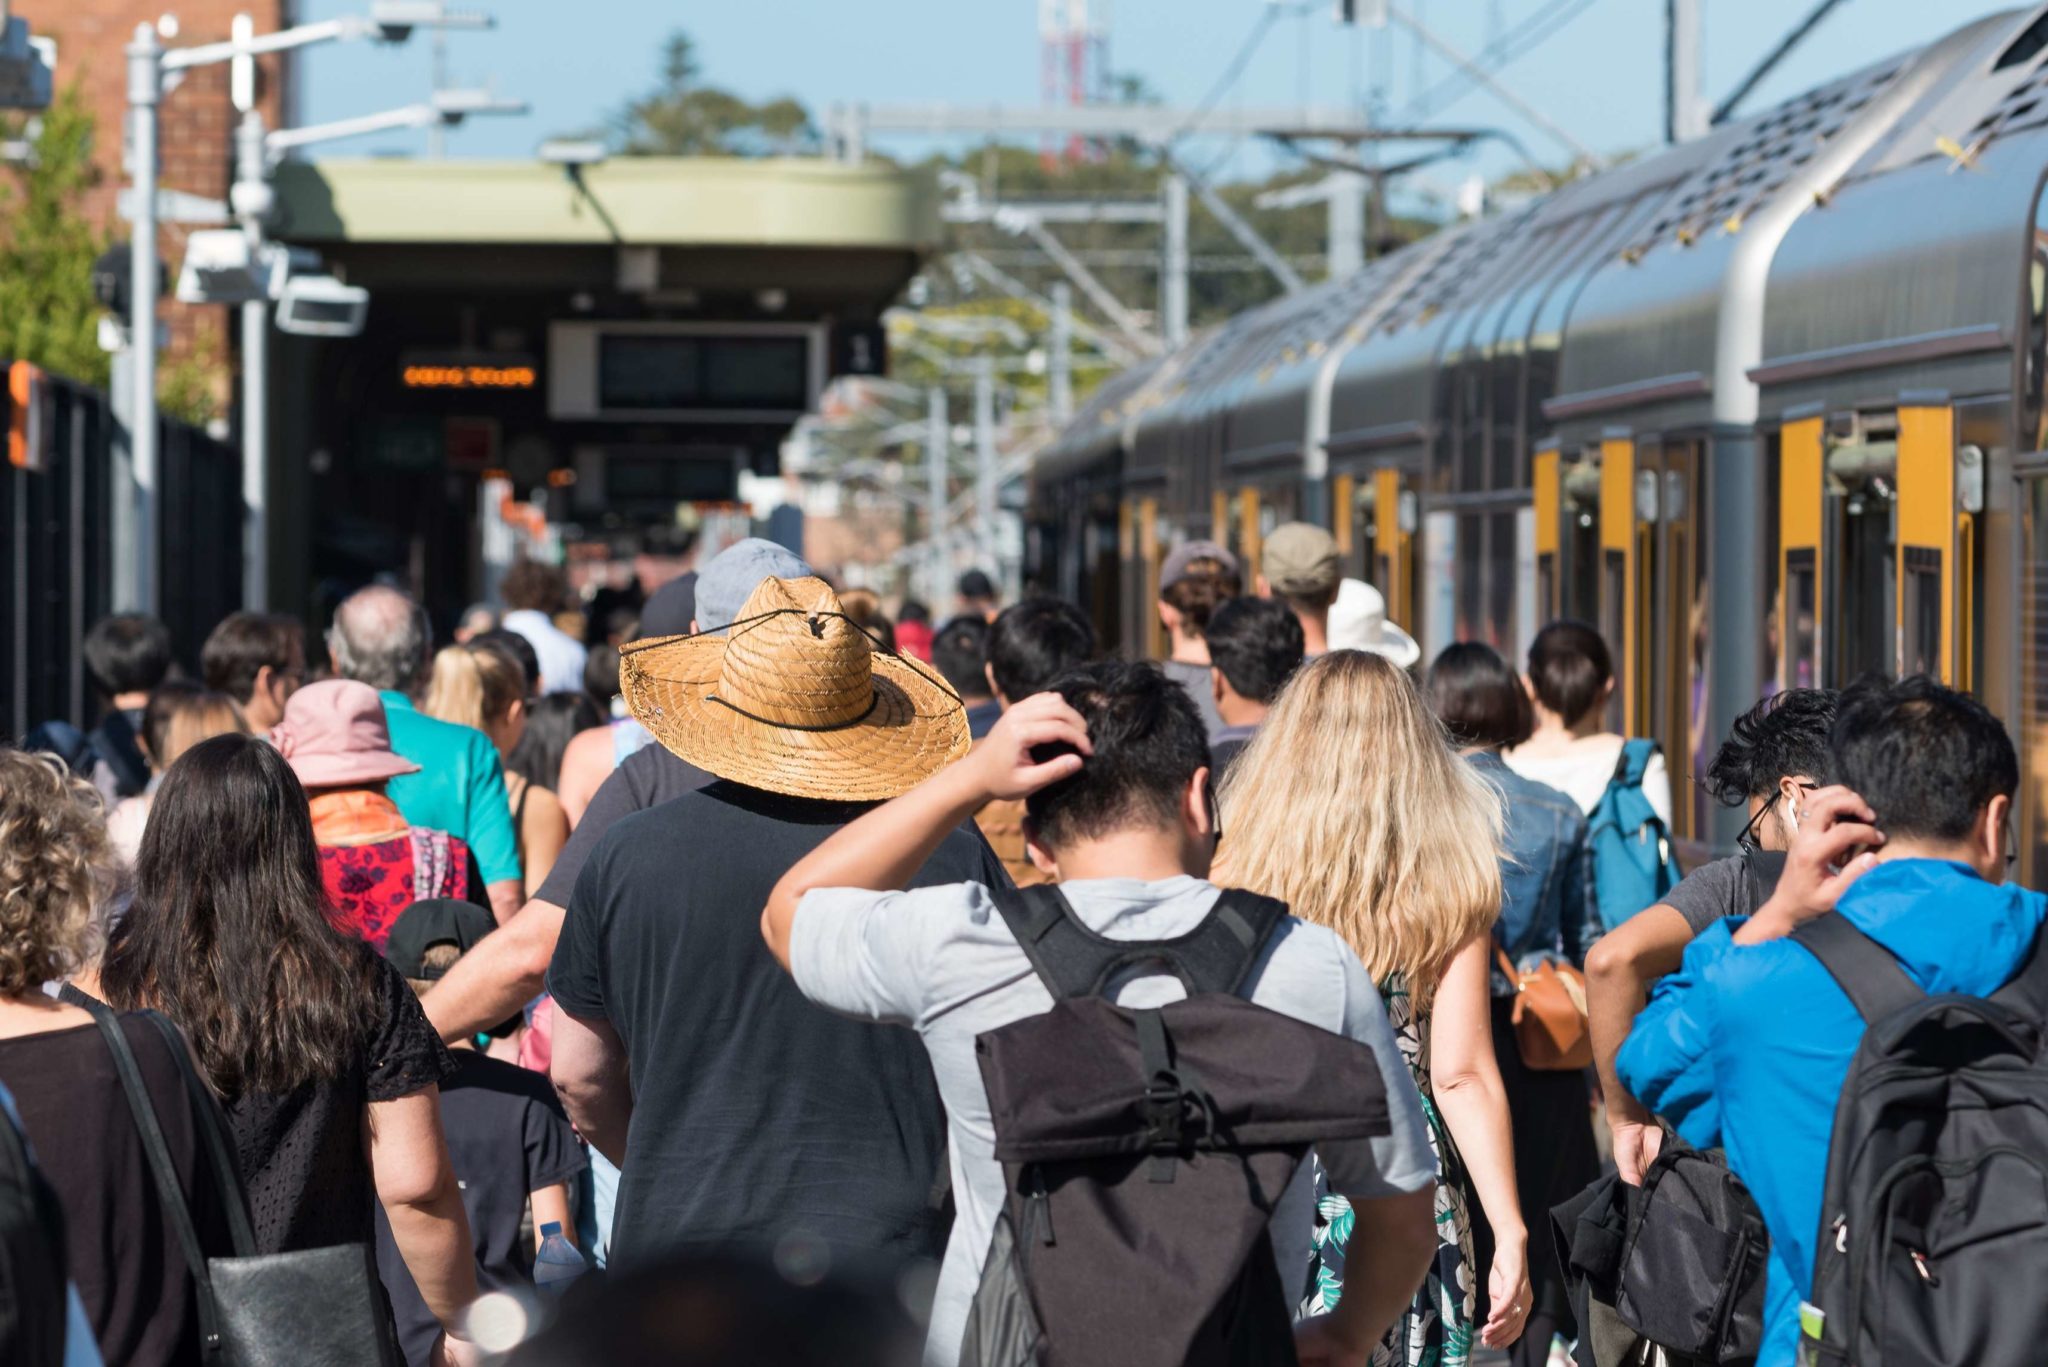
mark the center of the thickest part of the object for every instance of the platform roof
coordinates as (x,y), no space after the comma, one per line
(783,202)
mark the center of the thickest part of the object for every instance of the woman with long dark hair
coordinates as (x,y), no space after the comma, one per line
(325,1064)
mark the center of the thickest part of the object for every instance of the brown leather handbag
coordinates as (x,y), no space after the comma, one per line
(1551,1029)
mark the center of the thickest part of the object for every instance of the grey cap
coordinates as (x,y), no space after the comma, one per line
(725,584)
(1186,554)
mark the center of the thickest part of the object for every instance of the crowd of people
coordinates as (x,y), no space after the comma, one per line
(760,925)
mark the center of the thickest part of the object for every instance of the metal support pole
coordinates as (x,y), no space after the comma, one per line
(1060,371)
(1685,116)
(121,472)
(1345,251)
(252,171)
(935,447)
(1734,491)
(1173,266)
(145,85)
(985,464)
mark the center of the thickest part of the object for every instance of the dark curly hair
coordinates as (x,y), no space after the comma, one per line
(1783,736)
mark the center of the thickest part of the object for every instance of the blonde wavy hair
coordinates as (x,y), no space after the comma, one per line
(474,684)
(1351,806)
(55,867)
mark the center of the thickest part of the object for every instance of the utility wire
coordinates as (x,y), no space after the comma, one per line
(1520,39)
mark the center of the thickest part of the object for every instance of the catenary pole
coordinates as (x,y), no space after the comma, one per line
(1173,266)
(935,455)
(145,86)
(985,462)
(1060,371)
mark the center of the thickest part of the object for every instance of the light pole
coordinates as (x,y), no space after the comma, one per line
(149,62)
(256,154)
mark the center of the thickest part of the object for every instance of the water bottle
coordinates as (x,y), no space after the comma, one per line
(559,1262)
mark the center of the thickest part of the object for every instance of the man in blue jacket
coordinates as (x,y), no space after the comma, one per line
(1748,1046)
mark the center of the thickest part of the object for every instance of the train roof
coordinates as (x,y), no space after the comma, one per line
(1673,290)
(1911,277)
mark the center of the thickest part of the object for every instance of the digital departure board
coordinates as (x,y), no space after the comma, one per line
(686,372)
(637,370)
(469,373)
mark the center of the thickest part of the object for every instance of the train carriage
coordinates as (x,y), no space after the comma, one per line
(1767,407)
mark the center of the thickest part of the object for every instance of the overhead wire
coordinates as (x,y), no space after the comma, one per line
(1520,39)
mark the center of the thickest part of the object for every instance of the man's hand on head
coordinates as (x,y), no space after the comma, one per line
(1835,846)
(1002,765)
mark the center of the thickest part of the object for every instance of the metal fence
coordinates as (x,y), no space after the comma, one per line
(56,544)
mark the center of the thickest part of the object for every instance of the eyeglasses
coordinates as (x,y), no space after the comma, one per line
(1749,842)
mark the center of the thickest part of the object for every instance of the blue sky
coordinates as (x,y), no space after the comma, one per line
(1600,77)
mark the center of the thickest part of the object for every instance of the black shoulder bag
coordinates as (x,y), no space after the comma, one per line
(317,1307)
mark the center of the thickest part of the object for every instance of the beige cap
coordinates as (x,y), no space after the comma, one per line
(1299,557)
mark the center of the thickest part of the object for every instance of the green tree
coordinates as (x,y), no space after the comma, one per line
(682,117)
(48,314)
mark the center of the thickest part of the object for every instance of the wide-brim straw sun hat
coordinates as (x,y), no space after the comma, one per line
(795,699)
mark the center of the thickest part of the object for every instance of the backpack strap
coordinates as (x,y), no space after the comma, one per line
(1073,961)
(167,1189)
(2027,990)
(1863,968)
(1633,761)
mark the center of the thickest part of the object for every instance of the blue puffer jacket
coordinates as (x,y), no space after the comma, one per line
(1547,905)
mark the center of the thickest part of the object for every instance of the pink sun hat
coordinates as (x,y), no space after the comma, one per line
(334,735)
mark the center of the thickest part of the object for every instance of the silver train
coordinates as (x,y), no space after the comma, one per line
(1765,407)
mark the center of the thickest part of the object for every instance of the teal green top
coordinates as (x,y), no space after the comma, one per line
(459,789)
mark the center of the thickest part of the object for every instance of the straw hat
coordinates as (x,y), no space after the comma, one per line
(795,699)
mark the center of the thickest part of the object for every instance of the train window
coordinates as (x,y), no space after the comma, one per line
(1532,584)
(1770,530)
(1614,615)
(2034,422)
(1503,572)
(2032,554)
(1865,586)
(1801,631)
(1920,643)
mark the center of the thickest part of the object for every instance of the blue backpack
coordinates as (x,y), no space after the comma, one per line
(1633,866)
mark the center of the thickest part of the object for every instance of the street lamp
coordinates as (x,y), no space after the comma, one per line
(149,62)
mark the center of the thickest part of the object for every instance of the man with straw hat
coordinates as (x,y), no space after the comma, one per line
(510,969)
(752,1117)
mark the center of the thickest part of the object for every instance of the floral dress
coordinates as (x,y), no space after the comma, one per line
(1436,1329)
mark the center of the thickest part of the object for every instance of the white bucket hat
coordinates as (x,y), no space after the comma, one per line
(1358,621)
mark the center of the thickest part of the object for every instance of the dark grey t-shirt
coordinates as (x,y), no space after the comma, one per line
(1195,679)
(1735,886)
(649,777)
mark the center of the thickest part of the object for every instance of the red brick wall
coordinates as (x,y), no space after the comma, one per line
(196,146)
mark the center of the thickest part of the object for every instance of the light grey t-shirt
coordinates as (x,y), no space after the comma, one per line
(1195,679)
(942,961)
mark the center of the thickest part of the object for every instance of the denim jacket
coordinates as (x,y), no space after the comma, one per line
(1547,897)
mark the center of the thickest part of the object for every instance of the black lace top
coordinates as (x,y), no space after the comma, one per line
(304,1154)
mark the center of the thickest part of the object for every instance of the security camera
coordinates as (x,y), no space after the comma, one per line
(321,306)
(223,267)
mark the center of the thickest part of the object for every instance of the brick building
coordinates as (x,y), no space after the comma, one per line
(196,148)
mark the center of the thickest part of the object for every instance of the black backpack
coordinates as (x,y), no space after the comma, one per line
(1143,1151)
(32,1258)
(1691,1273)
(1933,1244)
